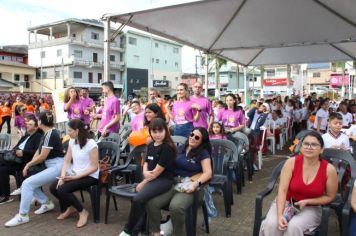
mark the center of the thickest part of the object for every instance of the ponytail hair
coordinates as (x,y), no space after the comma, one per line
(83,131)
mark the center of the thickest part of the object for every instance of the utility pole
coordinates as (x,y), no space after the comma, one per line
(41,69)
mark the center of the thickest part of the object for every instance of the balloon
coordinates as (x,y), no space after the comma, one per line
(137,138)
(312,118)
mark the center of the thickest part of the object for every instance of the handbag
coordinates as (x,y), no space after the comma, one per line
(10,157)
(104,165)
(36,169)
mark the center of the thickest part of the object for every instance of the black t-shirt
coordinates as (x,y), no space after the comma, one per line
(51,140)
(162,155)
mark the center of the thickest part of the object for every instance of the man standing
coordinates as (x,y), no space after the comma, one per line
(207,114)
(87,104)
(111,113)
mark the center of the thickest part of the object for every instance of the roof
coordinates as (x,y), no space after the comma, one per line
(19,49)
(88,22)
(319,66)
(16,64)
(256,32)
(6,83)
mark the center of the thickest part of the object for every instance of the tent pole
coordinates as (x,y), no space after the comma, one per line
(206,75)
(106,49)
(245,85)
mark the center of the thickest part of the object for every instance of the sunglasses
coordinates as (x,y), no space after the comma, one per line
(196,137)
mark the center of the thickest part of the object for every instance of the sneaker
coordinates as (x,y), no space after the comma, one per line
(4,200)
(255,167)
(17,220)
(16,192)
(44,208)
(123,233)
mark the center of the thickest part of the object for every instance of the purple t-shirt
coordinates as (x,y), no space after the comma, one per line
(86,103)
(19,122)
(217,136)
(111,108)
(206,111)
(182,112)
(138,121)
(76,111)
(230,118)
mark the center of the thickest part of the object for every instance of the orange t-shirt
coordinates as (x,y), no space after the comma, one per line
(161,104)
(45,106)
(30,108)
(5,111)
(15,104)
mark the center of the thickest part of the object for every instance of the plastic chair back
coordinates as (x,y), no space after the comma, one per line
(179,140)
(113,137)
(107,148)
(5,142)
(223,151)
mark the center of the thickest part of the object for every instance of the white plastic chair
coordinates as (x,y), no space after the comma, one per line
(259,154)
(272,139)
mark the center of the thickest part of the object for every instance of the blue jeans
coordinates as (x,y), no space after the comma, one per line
(31,187)
(352,230)
(183,130)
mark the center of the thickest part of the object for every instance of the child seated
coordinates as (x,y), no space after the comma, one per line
(351,132)
(334,138)
(276,124)
(217,131)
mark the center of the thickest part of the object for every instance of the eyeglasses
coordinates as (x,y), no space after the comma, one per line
(310,145)
(196,137)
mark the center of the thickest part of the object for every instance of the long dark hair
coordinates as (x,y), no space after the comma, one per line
(160,124)
(67,94)
(235,108)
(205,144)
(157,110)
(222,129)
(83,133)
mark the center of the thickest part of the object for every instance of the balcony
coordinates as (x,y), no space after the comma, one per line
(99,64)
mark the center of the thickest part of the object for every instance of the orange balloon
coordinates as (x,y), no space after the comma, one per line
(312,118)
(137,138)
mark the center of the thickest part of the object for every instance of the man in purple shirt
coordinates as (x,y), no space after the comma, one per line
(207,114)
(87,103)
(110,117)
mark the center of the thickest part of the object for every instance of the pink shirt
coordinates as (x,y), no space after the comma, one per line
(217,136)
(76,111)
(206,111)
(230,118)
(182,112)
(138,121)
(111,108)
(86,103)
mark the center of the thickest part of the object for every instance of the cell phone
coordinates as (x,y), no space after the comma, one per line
(293,201)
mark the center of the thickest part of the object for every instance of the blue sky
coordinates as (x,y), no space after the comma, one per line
(18,15)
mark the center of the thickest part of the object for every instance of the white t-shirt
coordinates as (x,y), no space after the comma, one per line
(276,124)
(324,119)
(351,131)
(81,157)
(297,115)
(346,119)
(339,140)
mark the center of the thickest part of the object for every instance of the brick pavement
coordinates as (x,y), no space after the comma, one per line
(240,223)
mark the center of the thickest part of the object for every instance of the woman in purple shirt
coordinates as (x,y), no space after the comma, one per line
(182,112)
(73,105)
(231,117)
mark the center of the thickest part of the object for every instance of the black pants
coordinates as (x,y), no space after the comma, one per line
(297,127)
(150,190)
(6,119)
(5,171)
(65,195)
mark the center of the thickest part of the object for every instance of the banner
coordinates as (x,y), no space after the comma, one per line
(275,82)
(336,80)
(58,102)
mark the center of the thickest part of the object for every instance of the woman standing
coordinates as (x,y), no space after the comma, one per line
(157,171)
(73,105)
(50,151)
(231,117)
(321,117)
(182,112)
(83,152)
(306,180)
(6,116)
(193,158)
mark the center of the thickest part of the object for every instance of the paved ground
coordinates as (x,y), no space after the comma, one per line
(240,223)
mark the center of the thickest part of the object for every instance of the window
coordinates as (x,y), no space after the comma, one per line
(100,76)
(0,76)
(157,61)
(112,77)
(176,78)
(133,41)
(176,64)
(59,52)
(77,75)
(270,73)
(57,74)
(230,76)
(165,62)
(156,45)
(153,60)
(164,77)
(27,85)
(176,50)
(43,54)
(17,77)
(136,59)
(94,36)
(78,53)
(316,75)
(95,57)
(44,74)
(112,57)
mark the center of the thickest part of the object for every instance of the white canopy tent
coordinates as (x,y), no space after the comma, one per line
(256,32)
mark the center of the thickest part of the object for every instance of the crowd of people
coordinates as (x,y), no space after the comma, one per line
(306,180)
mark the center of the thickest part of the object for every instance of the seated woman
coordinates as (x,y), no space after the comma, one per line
(50,151)
(306,180)
(157,171)
(83,151)
(25,148)
(352,230)
(193,158)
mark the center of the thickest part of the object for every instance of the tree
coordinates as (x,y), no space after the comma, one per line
(218,63)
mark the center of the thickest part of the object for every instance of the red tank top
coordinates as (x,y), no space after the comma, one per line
(298,190)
